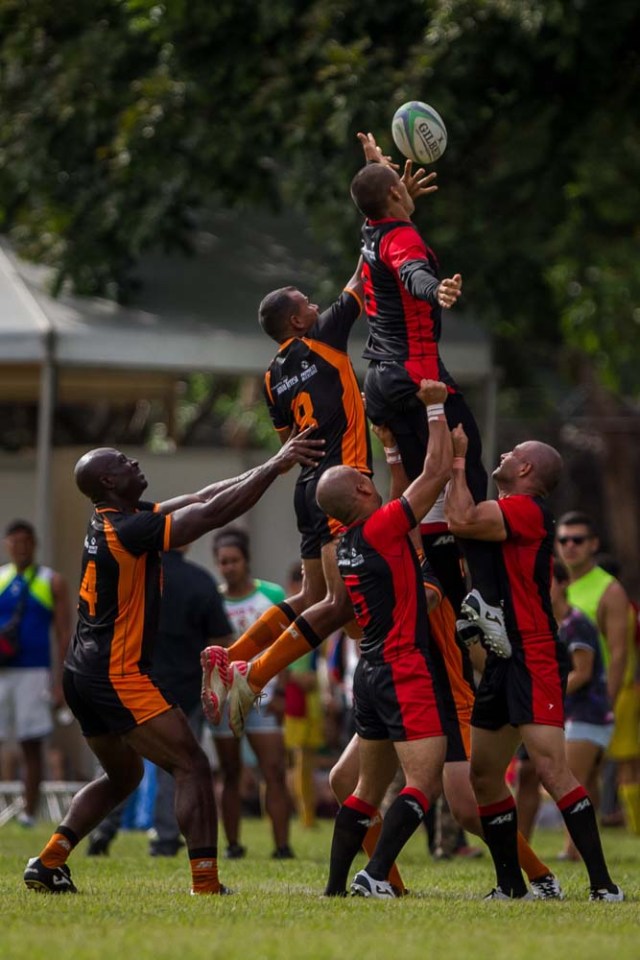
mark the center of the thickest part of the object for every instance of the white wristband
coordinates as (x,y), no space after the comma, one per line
(435,410)
(392,454)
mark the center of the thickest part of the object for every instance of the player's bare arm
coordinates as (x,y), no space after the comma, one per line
(423,492)
(373,153)
(613,622)
(473,521)
(194,520)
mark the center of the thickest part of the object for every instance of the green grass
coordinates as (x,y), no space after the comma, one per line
(133,906)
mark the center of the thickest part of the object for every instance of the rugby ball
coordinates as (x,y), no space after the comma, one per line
(419,132)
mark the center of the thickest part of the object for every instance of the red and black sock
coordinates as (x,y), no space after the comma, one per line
(500,829)
(580,818)
(401,821)
(351,824)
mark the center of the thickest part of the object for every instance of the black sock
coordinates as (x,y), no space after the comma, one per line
(500,829)
(481,560)
(445,559)
(580,818)
(352,822)
(401,821)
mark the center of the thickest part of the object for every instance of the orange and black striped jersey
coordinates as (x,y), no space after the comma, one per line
(311,383)
(119,599)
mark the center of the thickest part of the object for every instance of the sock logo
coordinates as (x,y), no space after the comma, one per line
(503,818)
(203,865)
(64,844)
(581,805)
(369,821)
(415,806)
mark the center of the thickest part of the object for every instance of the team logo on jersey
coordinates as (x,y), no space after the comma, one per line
(308,371)
(91,545)
(350,558)
(285,385)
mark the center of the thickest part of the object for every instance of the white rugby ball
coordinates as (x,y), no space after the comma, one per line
(419,132)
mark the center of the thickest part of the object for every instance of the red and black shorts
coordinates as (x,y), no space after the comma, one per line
(112,705)
(315,527)
(400,700)
(528,687)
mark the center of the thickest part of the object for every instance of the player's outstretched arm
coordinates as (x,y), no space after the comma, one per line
(192,521)
(419,184)
(373,153)
(474,521)
(423,492)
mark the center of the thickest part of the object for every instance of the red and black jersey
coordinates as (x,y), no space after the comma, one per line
(119,601)
(311,382)
(525,570)
(401,277)
(382,575)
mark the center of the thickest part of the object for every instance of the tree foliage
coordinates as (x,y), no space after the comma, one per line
(120,119)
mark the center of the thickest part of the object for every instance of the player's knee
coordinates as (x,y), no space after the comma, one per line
(481,779)
(125,779)
(194,764)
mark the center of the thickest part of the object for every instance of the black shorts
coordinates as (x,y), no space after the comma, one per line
(104,705)
(390,393)
(399,700)
(528,687)
(315,527)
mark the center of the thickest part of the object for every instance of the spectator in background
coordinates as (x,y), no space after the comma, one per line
(303,721)
(245,599)
(192,615)
(34,599)
(603,599)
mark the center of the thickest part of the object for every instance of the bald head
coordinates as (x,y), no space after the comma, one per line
(347,495)
(370,189)
(546,464)
(106,474)
(531,467)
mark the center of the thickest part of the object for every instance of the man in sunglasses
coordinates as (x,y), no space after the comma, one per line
(599,595)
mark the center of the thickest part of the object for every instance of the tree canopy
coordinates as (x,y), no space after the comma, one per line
(121,119)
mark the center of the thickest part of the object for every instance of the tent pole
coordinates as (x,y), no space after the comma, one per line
(44,450)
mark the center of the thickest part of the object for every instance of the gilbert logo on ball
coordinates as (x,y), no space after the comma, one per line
(419,132)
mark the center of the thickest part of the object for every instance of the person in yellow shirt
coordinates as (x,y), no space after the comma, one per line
(598,594)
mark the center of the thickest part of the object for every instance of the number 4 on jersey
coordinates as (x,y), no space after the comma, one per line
(88,590)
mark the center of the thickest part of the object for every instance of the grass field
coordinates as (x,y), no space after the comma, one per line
(133,906)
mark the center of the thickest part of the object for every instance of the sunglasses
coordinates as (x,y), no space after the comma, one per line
(578,539)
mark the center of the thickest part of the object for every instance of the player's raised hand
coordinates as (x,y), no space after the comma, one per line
(449,290)
(420,183)
(460,441)
(373,153)
(299,448)
(432,391)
